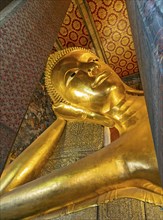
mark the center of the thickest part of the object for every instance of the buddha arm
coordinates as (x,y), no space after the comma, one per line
(28,164)
(128,158)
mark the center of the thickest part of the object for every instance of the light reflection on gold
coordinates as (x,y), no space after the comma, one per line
(126,168)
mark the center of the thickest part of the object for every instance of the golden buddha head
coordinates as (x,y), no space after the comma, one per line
(78,78)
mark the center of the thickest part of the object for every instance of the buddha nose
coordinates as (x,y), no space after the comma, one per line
(91,68)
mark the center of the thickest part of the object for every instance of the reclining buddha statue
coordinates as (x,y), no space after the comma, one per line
(85,89)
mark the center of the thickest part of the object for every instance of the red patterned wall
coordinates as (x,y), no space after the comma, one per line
(73,31)
(112,24)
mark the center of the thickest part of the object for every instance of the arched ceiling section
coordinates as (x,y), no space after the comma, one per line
(103,27)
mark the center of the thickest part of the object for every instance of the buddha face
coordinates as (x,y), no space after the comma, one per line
(84,80)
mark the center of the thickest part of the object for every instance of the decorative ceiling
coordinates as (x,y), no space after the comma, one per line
(103,27)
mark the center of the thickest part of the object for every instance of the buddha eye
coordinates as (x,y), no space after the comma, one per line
(73,74)
(70,76)
(95,60)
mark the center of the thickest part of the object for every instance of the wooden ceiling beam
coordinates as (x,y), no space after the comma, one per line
(58,46)
(90,25)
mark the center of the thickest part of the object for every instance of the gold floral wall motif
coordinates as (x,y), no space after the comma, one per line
(73,31)
(112,25)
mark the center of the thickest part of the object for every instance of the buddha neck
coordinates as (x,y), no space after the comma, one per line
(128,113)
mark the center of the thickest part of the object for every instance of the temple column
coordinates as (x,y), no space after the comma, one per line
(146,24)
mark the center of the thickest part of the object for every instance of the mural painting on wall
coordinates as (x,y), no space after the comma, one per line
(112,25)
(38,117)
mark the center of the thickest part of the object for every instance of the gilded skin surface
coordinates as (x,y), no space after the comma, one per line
(84,88)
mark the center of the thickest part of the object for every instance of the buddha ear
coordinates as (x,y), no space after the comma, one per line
(74,113)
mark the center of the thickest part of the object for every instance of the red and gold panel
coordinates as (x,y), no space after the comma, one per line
(73,32)
(112,24)
(111,20)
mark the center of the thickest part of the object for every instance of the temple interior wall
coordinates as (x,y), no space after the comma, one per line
(28,31)
(28,35)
